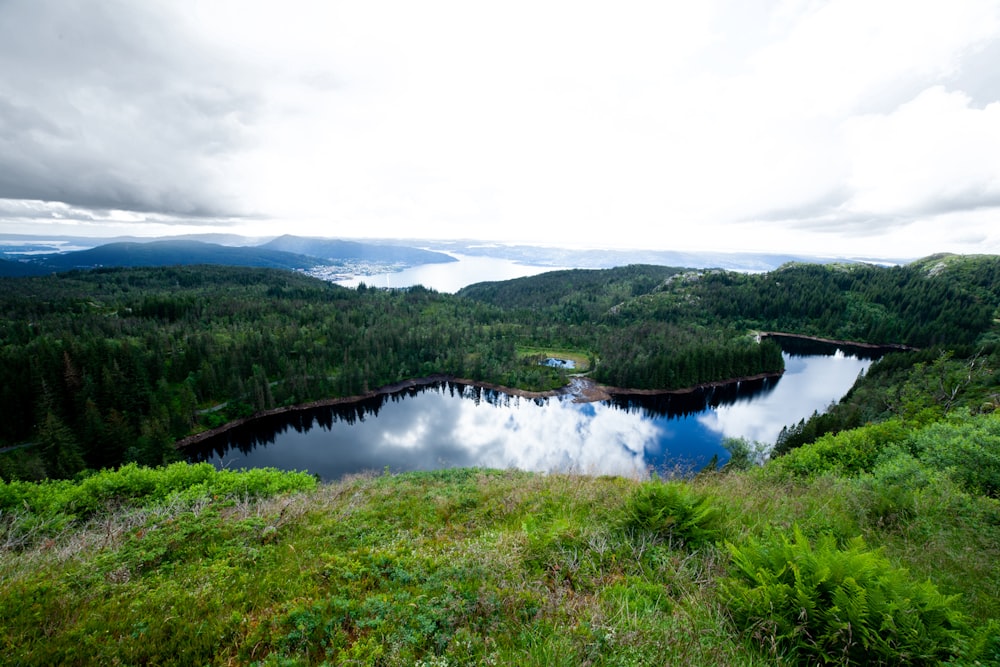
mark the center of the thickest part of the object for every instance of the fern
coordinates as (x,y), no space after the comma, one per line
(838,606)
(674,511)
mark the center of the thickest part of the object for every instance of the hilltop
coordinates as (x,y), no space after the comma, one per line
(186,565)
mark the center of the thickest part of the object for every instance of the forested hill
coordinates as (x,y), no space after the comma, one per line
(574,294)
(285,252)
(943,299)
(10,268)
(172,252)
(110,365)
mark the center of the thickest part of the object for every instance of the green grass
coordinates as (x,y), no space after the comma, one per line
(456,567)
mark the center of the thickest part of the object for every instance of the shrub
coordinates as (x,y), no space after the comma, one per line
(967,447)
(29,509)
(846,453)
(673,510)
(842,606)
(888,496)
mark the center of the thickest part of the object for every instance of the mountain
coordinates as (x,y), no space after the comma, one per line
(558,257)
(165,253)
(337,250)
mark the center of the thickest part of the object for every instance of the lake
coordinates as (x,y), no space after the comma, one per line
(455,425)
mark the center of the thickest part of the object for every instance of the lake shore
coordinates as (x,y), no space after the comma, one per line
(583,389)
(884,347)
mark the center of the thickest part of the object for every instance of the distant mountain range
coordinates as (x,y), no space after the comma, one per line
(163,253)
(28,254)
(589,258)
(286,252)
(337,250)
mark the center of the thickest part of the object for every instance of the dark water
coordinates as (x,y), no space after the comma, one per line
(453,425)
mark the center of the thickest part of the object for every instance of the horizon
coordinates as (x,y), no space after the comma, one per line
(457,247)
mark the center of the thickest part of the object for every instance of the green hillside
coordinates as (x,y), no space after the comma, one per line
(872,538)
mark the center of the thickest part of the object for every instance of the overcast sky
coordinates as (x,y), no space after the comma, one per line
(857,127)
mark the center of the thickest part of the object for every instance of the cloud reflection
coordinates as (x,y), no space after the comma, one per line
(442,427)
(556,435)
(454,425)
(809,384)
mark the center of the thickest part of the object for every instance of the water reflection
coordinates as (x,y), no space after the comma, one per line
(442,426)
(455,425)
(809,384)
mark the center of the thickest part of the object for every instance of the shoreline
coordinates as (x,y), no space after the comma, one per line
(584,390)
(835,341)
(624,391)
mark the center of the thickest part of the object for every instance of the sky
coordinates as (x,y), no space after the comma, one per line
(848,127)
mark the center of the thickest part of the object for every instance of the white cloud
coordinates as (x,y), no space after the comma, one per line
(839,57)
(933,154)
(643,123)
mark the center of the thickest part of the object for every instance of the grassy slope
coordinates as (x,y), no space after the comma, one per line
(451,567)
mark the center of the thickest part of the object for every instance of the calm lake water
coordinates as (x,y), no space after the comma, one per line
(453,425)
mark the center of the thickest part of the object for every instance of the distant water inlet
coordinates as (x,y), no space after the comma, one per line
(451,276)
(456,425)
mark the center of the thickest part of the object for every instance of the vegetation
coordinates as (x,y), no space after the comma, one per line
(942,300)
(827,604)
(185,565)
(674,512)
(915,387)
(873,539)
(113,365)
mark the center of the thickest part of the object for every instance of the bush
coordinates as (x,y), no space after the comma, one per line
(138,484)
(673,510)
(838,606)
(847,453)
(967,447)
(888,496)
